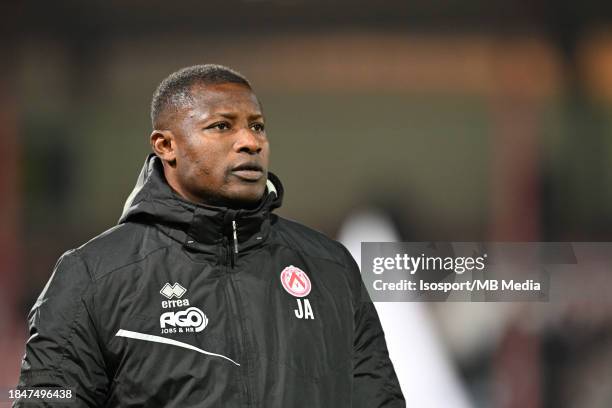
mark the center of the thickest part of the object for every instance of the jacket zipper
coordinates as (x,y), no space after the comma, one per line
(235,236)
(231,251)
(231,255)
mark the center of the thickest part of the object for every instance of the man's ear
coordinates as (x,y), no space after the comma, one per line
(163,143)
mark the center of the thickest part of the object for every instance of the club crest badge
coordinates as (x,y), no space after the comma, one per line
(295,281)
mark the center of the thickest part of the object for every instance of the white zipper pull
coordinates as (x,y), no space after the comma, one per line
(235,236)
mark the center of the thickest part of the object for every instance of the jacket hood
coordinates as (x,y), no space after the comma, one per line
(152,201)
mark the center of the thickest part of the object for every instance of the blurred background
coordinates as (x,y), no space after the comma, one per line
(448,120)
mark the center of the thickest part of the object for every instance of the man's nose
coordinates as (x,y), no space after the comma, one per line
(248,141)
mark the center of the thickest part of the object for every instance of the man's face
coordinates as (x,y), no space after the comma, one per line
(221,147)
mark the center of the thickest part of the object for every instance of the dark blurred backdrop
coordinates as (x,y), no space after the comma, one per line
(469,120)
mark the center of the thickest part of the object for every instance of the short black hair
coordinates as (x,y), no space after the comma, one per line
(174,91)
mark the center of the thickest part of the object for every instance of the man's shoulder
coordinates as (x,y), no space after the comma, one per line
(118,246)
(310,241)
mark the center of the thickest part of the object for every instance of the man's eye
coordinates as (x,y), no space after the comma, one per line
(258,127)
(220,126)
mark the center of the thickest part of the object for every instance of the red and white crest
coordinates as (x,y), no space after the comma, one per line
(295,281)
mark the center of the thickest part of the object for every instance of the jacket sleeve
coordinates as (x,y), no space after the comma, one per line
(63,348)
(375,383)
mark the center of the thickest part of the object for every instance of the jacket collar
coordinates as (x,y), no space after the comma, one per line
(197,226)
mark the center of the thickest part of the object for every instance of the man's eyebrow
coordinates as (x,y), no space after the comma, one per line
(230,115)
(208,116)
(256,116)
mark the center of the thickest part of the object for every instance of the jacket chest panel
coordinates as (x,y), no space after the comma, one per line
(305,338)
(205,322)
(171,320)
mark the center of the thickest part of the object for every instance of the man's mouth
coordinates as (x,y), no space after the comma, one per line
(248,171)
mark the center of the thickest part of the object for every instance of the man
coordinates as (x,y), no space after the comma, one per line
(201,296)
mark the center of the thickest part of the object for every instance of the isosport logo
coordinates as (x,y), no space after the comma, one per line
(189,320)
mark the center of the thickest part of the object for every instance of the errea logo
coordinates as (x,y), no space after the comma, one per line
(170,291)
(190,320)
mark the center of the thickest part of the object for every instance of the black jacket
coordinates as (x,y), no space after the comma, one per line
(183,305)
